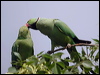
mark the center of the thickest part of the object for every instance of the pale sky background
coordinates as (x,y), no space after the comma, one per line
(81,16)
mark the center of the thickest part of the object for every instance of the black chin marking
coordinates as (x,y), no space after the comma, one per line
(33,26)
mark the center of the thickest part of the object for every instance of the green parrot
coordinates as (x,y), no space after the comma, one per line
(23,45)
(59,33)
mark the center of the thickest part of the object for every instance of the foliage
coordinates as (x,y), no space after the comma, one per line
(44,63)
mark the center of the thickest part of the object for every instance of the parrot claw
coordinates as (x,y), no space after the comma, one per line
(69,45)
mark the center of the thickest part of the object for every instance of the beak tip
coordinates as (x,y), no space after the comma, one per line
(27,25)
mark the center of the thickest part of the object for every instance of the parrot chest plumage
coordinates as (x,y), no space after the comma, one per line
(25,48)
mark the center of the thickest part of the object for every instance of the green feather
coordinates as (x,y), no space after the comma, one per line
(59,33)
(23,45)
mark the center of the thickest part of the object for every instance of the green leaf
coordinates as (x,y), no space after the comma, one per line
(18,55)
(56,69)
(29,69)
(56,55)
(41,72)
(96,40)
(12,70)
(40,53)
(97,57)
(76,70)
(32,60)
(61,64)
(83,52)
(87,64)
(86,70)
(92,52)
(66,62)
(97,69)
(42,60)
(46,56)
(65,71)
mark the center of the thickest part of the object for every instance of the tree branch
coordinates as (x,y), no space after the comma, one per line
(79,44)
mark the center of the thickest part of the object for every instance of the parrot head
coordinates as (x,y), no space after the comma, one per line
(32,23)
(23,32)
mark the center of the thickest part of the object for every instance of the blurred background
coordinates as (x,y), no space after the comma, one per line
(81,16)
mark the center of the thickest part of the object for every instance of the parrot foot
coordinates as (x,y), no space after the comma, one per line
(68,45)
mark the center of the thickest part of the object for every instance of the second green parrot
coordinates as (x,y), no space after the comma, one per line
(59,33)
(23,45)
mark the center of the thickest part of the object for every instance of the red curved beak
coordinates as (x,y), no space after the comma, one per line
(29,26)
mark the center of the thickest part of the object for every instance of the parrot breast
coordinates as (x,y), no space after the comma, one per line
(25,48)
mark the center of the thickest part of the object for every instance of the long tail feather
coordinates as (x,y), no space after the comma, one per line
(76,40)
(74,54)
(84,41)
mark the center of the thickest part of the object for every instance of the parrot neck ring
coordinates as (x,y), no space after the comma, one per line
(37,19)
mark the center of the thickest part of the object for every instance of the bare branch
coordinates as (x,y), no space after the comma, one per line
(84,44)
(79,44)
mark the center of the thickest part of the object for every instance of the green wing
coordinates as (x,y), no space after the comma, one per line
(68,32)
(64,28)
(14,49)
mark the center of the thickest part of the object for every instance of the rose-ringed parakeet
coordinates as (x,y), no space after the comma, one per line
(23,45)
(59,33)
